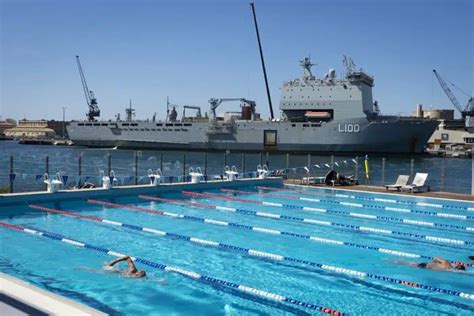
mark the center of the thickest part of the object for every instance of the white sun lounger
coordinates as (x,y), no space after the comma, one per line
(418,183)
(402,181)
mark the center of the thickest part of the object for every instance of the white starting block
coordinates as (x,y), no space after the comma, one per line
(155,178)
(262,172)
(231,173)
(196,176)
(108,181)
(53,185)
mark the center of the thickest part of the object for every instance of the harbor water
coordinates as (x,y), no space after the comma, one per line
(129,166)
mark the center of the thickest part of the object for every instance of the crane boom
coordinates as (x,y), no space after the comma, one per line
(448,92)
(91,101)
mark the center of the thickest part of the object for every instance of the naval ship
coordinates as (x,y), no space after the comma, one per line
(328,114)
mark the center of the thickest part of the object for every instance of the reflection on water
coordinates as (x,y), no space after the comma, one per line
(29,161)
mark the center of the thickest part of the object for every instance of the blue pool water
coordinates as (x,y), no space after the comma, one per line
(73,271)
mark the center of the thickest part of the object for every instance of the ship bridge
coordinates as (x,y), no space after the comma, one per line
(328,98)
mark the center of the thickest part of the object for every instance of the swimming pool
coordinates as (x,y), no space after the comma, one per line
(251,250)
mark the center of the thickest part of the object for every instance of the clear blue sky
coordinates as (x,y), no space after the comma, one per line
(194,50)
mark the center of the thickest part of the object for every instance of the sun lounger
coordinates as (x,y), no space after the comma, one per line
(402,180)
(418,183)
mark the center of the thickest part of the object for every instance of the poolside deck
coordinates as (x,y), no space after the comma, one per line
(381,189)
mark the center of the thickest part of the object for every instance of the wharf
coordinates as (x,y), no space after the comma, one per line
(381,189)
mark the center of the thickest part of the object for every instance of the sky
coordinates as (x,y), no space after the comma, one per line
(191,51)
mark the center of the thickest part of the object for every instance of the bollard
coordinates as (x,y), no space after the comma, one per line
(205,166)
(332,162)
(136,168)
(46,169)
(383,170)
(412,167)
(287,161)
(442,175)
(11,174)
(356,168)
(184,167)
(79,169)
(243,163)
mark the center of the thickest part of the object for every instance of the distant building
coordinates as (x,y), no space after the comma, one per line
(450,133)
(36,129)
(4,125)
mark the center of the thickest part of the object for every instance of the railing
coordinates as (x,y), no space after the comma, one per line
(131,167)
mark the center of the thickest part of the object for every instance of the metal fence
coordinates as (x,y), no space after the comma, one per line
(25,173)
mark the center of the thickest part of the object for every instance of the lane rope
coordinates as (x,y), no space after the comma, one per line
(256,253)
(358,215)
(190,274)
(365,229)
(359,205)
(364,198)
(268,231)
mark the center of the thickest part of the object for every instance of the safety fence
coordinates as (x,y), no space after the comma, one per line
(26,173)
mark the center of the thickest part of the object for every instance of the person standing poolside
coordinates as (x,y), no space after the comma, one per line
(132,271)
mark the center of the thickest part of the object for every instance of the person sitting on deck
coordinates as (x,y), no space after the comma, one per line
(132,271)
(436,264)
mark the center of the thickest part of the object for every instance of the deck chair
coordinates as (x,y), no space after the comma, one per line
(418,183)
(402,180)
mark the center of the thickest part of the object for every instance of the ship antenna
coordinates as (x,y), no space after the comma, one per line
(263,61)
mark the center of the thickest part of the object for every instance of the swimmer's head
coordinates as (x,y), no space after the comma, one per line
(460,266)
(139,274)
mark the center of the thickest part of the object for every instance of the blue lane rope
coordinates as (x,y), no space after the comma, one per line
(268,231)
(366,198)
(354,214)
(190,274)
(364,229)
(358,205)
(257,253)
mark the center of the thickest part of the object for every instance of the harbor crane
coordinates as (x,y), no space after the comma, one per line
(467,112)
(216,102)
(91,101)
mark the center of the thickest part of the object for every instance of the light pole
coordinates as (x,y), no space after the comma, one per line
(64,122)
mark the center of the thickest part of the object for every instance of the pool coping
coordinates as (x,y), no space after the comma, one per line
(45,301)
(43,196)
(376,190)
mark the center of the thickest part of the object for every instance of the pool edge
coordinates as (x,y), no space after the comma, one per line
(43,300)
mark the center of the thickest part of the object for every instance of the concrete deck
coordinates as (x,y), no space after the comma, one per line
(381,189)
(18,298)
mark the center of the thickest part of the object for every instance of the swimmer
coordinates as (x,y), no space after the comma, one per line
(435,264)
(132,271)
(471,257)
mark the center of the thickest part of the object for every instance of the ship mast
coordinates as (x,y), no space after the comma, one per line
(263,61)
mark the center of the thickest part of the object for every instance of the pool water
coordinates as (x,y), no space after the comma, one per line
(77,272)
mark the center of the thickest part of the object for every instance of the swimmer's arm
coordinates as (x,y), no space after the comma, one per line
(131,265)
(114,262)
(443,262)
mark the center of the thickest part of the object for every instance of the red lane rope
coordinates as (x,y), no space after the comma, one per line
(259,193)
(219,197)
(52,210)
(135,208)
(154,198)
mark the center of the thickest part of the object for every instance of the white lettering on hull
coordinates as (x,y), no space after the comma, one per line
(348,128)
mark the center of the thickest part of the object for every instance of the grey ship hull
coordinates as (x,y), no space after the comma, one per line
(357,135)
